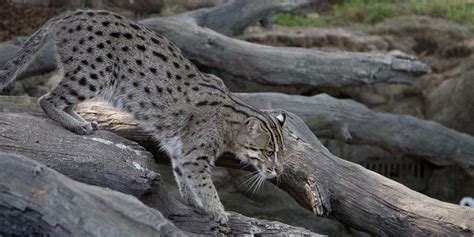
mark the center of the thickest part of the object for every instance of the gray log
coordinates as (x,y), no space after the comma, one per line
(333,187)
(38,201)
(345,120)
(264,64)
(106,160)
(353,122)
(329,186)
(328,117)
(41,139)
(318,181)
(233,17)
(43,62)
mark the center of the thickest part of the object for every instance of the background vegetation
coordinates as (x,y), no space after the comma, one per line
(351,12)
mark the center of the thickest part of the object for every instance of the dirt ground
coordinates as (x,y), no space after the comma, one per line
(22,19)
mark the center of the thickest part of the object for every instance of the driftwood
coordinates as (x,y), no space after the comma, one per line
(106,160)
(317,180)
(232,18)
(353,122)
(263,64)
(38,201)
(131,163)
(329,186)
(326,116)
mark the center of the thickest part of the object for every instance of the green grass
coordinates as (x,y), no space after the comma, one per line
(372,11)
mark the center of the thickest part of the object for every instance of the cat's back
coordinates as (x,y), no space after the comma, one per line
(103,53)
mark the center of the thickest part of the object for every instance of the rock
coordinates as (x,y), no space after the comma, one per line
(371,99)
(451,184)
(409,105)
(428,35)
(451,104)
(327,39)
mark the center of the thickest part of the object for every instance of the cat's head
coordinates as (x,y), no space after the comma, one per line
(260,143)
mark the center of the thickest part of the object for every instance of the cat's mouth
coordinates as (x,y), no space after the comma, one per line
(270,173)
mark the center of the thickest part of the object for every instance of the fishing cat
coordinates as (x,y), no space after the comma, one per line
(192,114)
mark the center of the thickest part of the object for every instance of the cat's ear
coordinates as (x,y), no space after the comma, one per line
(252,126)
(281,118)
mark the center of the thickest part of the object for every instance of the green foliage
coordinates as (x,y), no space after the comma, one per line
(372,11)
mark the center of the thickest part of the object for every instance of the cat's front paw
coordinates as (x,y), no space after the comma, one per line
(83,129)
(221,217)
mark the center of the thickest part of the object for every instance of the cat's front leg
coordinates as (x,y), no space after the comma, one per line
(196,187)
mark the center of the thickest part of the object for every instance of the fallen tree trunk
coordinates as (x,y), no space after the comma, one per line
(386,209)
(233,17)
(283,65)
(106,160)
(258,63)
(353,122)
(38,201)
(326,116)
(345,120)
(360,198)
(327,185)
(124,165)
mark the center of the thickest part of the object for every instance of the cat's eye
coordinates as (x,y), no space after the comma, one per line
(269,153)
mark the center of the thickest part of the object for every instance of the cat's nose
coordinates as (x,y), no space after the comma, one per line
(278,169)
(274,173)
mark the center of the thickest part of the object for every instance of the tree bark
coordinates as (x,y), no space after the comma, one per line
(38,201)
(259,63)
(102,159)
(353,122)
(111,161)
(326,116)
(284,66)
(361,198)
(43,205)
(316,179)
(233,17)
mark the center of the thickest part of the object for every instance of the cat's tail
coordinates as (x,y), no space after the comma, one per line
(22,59)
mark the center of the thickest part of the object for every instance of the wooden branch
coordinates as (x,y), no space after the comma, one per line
(316,179)
(111,161)
(258,63)
(353,122)
(38,201)
(329,186)
(44,61)
(326,116)
(361,198)
(233,17)
(106,160)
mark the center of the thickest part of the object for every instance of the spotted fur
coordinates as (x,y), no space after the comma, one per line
(193,115)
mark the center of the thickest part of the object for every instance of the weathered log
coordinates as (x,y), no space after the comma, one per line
(345,120)
(283,65)
(44,61)
(111,161)
(38,201)
(353,122)
(328,117)
(107,160)
(259,63)
(233,17)
(329,186)
(361,198)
